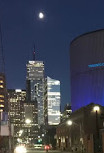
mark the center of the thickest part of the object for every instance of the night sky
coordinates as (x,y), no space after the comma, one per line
(64,20)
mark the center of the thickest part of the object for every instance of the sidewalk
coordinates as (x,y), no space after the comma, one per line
(66,151)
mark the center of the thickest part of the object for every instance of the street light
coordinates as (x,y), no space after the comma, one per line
(27,121)
(69,122)
(20,132)
(96,109)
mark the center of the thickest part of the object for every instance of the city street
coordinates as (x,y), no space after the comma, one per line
(43,151)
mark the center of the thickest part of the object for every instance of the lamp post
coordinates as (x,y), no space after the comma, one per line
(96,109)
(97,146)
(28,121)
(70,123)
(20,133)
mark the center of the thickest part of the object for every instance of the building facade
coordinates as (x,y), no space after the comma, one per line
(66,113)
(3,94)
(87,69)
(16,99)
(52,101)
(35,86)
(86,133)
(30,129)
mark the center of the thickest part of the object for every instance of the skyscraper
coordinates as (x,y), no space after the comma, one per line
(35,87)
(52,101)
(30,129)
(16,99)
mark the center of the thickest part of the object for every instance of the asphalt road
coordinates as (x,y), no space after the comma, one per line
(42,151)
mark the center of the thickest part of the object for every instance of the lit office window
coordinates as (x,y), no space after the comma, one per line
(1,96)
(1,86)
(1,105)
(1,100)
(1,81)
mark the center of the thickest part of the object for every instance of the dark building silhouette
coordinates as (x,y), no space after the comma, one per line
(86,133)
(3,91)
(3,94)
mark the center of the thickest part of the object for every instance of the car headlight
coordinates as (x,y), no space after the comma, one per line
(21,149)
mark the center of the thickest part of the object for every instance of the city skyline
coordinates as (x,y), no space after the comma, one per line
(21,29)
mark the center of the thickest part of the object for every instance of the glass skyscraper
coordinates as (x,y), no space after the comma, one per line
(35,86)
(52,101)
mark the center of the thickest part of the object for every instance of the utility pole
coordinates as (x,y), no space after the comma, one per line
(3,91)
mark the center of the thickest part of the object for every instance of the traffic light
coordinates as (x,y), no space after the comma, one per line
(39,140)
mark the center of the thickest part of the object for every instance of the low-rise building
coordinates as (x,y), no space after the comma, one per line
(82,131)
(66,113)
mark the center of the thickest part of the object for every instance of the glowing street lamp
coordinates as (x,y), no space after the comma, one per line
(27,121)
(96,108)
(20,132)
(69,122)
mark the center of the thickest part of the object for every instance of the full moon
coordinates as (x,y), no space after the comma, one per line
(41,15)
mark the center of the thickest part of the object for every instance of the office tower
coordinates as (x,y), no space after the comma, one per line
(87,69)
(16,99)
(30,126)
(35,87)
(52,101)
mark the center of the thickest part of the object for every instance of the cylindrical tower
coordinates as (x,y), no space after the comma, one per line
(87,69)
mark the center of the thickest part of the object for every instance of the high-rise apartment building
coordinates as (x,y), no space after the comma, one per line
(52,101)
(35,87)
(16,99)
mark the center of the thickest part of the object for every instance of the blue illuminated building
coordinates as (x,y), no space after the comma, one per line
(52,101)
(87,69)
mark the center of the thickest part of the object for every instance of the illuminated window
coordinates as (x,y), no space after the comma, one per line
(1,100)
(1,86)
(1,105)
(1,96)
(1,81)
(1,110)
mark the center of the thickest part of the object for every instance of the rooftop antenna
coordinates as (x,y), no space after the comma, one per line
(34,53)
